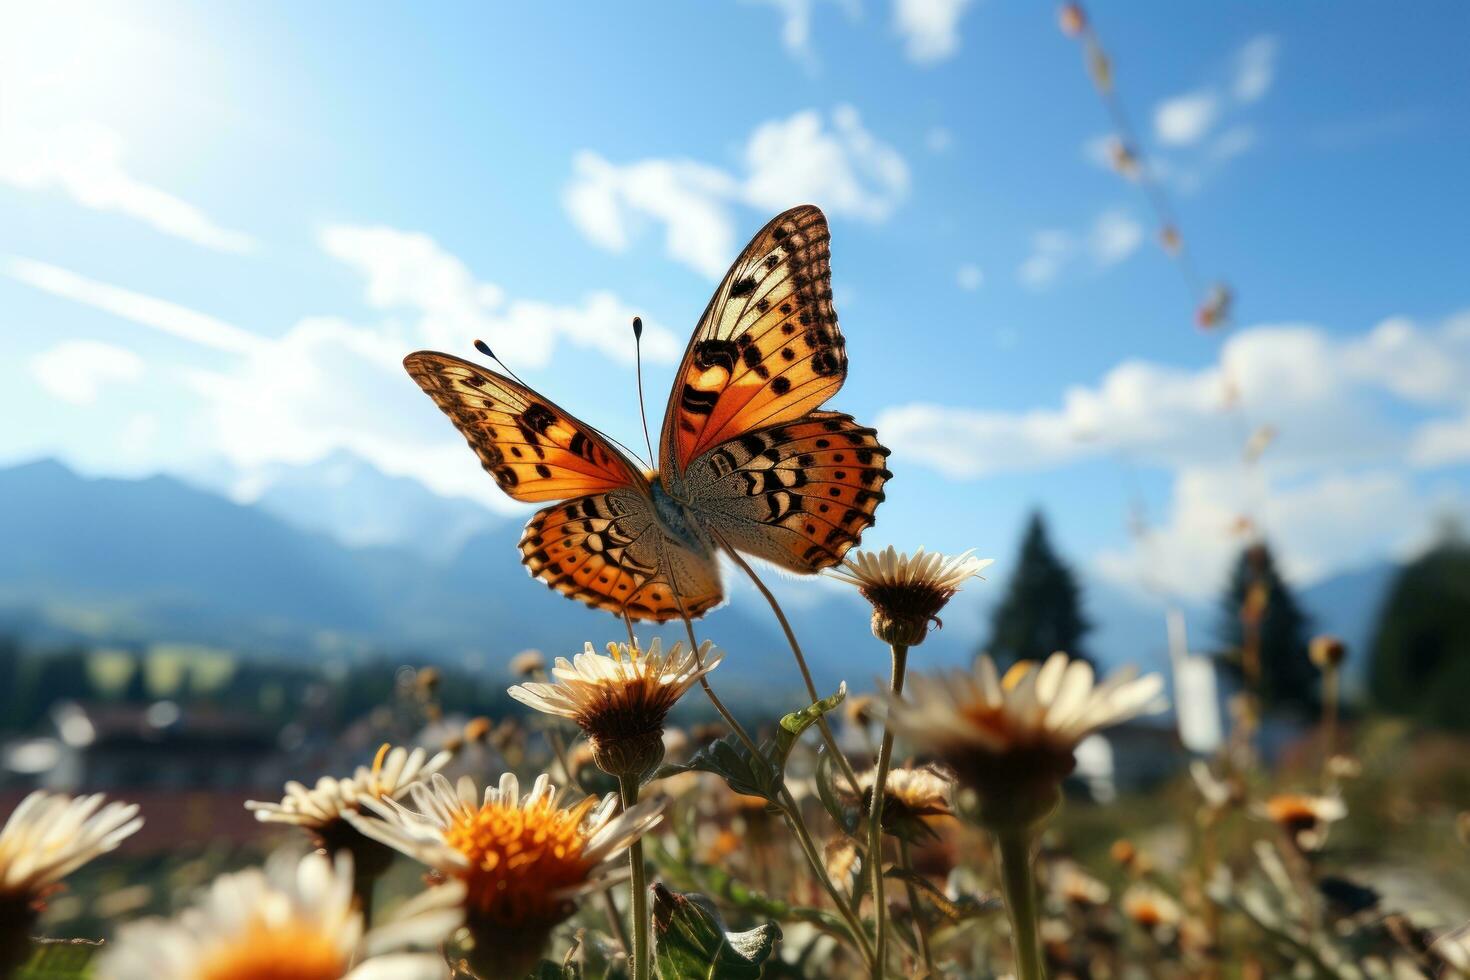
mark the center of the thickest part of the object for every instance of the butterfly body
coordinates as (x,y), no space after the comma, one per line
(748,462)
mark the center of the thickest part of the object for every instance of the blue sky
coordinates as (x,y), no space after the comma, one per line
(222,226)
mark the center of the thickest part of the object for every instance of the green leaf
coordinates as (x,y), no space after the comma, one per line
(729,759)
(799,721)
(842,810)
(59,959)
(690,941)
(954,909)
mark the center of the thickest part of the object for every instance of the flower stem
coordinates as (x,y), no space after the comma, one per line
(789,810)
(628,786)
(1019,885)
(875,819)
(806,674)
(906,862)
(1331,692)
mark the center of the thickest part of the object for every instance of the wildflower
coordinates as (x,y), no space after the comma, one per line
(621,700)
(1304,819)
(528,663)
(523,859)
(1260,440)
(1078,888)
(1012,740)
(1151,909)
(1123,159)
(1128,857)
(1169,239)
(1327,652)
(1216,793)
(320,810)
(1071,19)
(1215,310)
(911,797)
(46,838)
(294,920)
(1452,950)
(907,592)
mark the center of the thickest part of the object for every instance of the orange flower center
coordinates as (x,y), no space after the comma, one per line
(520,858)
(291,952)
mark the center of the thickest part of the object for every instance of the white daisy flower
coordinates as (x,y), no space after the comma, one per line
(1304,819)
(294,920)
(50,835)
(320,808)
(620,699)
(46,838)
(907,591)
(523,859)
(1012,739)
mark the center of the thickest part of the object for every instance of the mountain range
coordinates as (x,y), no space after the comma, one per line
(338,559)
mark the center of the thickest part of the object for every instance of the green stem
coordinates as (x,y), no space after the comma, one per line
(875,820)
(1330,695)
(789,810)
(1019,886)
(806,674)
(906,862)
(628,785)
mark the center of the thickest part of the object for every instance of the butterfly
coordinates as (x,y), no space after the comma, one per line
(747,462)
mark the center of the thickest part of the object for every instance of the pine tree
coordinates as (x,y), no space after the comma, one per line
(1265,632)
(1042,609)
(1420,654)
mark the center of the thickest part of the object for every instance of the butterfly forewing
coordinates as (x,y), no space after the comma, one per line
(798,494)
(768,348)
(532,448)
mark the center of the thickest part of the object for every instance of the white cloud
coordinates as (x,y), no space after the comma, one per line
(1232,143)
(796,25)
(938,139)
(930,28)
(1192,551)
(1115,235)
(171,318)
(833,162)
(1050,251)
(1351,411)
(76,371)
(843,168)
(969,277)
(1323,392)
(327,383)
(409,270)
(85,161)
(689,199)
(1185,119)
(1255,68)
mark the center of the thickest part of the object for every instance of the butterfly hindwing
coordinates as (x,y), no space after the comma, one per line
(798,494)
(768,348)
(609,551)
(533,449)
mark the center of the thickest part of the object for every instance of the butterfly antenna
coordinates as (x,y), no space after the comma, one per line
(638,366)
(484,348)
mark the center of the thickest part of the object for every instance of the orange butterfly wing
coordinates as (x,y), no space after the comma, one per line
(533,449)
(767,350)
(798,495)
(600,543)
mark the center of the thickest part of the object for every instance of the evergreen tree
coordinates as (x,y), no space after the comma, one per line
(1420,654)
(1266,632)
(1042,609)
